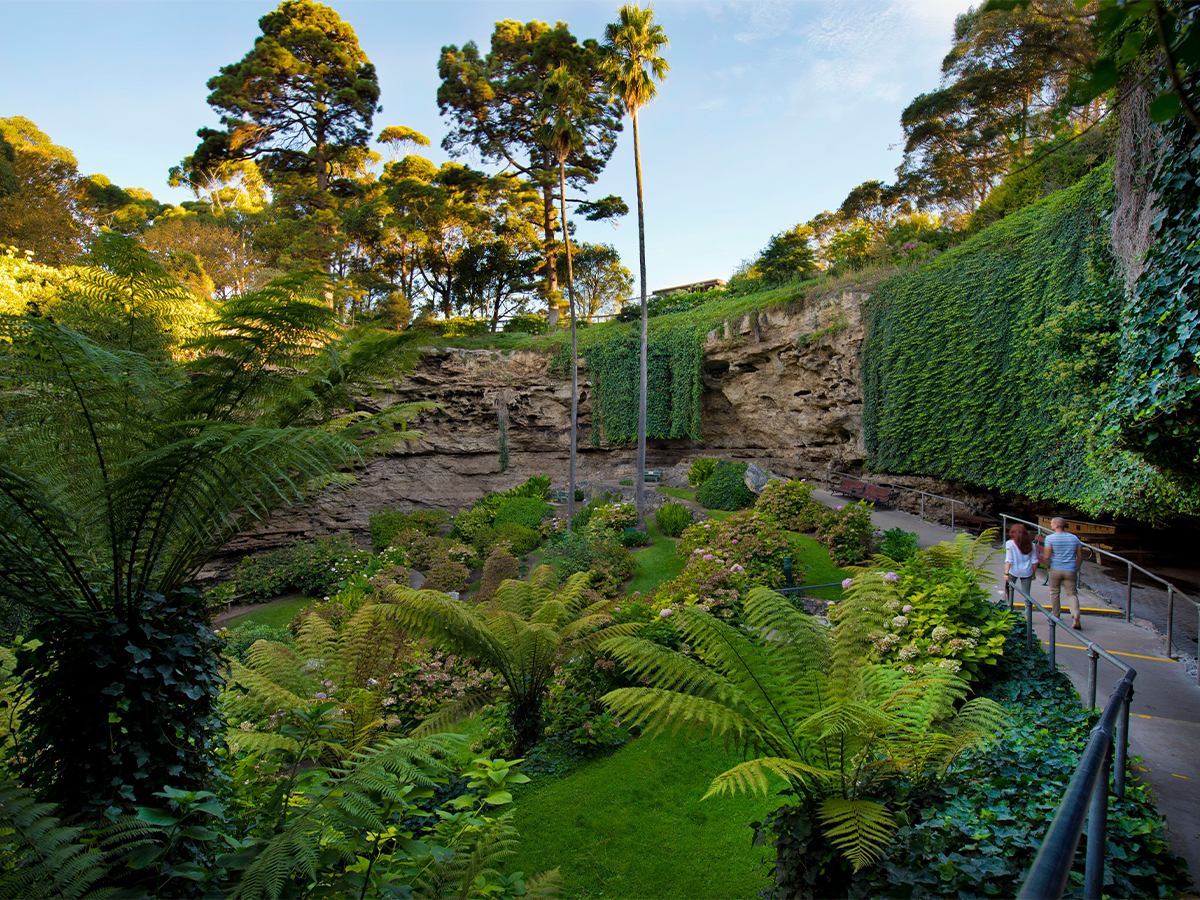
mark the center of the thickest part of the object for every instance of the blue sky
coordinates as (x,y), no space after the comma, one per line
(771,112)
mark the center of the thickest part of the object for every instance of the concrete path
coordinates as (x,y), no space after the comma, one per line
(1164,724)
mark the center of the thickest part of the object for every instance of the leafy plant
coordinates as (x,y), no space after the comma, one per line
(633,538)
(808,709)
(613,517)
(725,488)
(446,575)
(522,539)
(313,567)
(791,506)
(385,524)
(847,532)
(239,640)
(898,544)
(598,553)
(672,518)
(712,584)
(701,470)
(522,634)
(527,511)
(756,547)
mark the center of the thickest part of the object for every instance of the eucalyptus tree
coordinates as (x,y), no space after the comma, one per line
(632,64)
(492,103)
(564,131)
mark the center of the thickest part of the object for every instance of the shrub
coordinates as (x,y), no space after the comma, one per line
(500,566)
(578,495)
(897,544)
(465,326)
(243,637)
(446,575)
(527,511)
(712,584)
(790,504)
(847,532)
(385,524)
(468,523)
(672,518)
(527,323)
(308,567)
(483,513)
(701,471)
(613,517)
(725,488)
(745,540)
(521,538)
(596,552)
(633,538)
(626,481)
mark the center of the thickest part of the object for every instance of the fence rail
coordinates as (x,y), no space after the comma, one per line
(1086,796)
(951,500)
(1172,590)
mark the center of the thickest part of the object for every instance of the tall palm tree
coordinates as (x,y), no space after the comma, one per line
(631,64)
(564,132)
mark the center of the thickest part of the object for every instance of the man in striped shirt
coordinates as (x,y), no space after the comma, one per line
(1062,553)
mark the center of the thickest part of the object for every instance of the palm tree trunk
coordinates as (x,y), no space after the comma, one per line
(642,367)
(562,189)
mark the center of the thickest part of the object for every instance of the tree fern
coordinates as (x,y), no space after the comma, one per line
(803,700)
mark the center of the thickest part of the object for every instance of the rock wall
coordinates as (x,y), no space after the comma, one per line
(781,388)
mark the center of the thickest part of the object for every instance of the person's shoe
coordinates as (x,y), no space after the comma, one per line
(1077,625)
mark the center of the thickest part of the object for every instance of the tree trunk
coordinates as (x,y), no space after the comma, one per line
(642,367)
(562,188)
(551,256)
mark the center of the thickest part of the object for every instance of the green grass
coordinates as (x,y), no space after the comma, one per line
(632,825)
(656,563)
(818,568)
(678,493)
(278,613)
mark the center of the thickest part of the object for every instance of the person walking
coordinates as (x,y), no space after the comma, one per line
(1020,557)
(1062,553)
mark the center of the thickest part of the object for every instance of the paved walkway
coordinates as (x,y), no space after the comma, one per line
(1164,724)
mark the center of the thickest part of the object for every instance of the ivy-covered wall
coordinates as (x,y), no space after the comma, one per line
(967,362)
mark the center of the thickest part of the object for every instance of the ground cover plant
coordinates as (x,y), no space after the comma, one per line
(311,567)
(725,489)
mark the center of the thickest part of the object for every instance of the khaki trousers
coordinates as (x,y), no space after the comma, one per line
(1059,580)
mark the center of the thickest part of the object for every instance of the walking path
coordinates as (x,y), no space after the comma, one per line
(1164,723)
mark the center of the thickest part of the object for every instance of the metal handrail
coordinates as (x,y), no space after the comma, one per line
(1087,794)
(924,494)
(1172,590)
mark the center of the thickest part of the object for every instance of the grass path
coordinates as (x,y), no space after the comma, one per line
(656,563)
(277,613)
(632,825)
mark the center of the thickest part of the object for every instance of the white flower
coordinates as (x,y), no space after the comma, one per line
(941,633)
(664,613)
(899,621)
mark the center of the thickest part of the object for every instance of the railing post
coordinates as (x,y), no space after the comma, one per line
(1093,657)
(1129,592)
(1170,617)
(1053,665)
(1028,625)
(1198,641)
(951,515)
(922,506)
(1093,870)
(1010,594)
(1122,747)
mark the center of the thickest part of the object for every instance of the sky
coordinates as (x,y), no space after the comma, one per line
(770,114)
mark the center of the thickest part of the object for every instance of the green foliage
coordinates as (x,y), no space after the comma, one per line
(807,709)
(977,832)
(746,543)
(701,470)
(612,517)
(527,511)
(711,584)
(483,512)
(521,538)
(977,364)
(791,506)
(940,612)
(633,538)
(522,634)
(672,518)
(385,524)
(847,532)
(527,323)
(446,575)
(499,567)
(898,544)
(313,567)
(241,639)
(725,488)
(598,553)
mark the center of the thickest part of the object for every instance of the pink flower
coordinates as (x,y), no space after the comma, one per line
(736,568)
(892,577)
(664,613)
(907,608)
(708,526)
(846,584)
(735,540)
(707,556)
(839,509)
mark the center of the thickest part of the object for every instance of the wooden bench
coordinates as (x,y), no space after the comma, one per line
(974,524)
(559,495)
(654,474)
(861,490)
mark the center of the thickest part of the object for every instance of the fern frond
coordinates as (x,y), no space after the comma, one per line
(655,709)
(860,829)
(751,776)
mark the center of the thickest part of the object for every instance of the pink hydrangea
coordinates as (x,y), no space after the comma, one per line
(664,613)
(892,577)
(907,608)
(708,556)
(846,584)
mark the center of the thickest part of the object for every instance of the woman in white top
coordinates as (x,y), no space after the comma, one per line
(1020,557)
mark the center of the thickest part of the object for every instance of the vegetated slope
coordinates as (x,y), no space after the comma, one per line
(988,366)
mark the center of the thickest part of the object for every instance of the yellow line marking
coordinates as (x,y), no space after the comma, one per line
(1111,610)
(1166,719)
(1173,775)
(1114,652)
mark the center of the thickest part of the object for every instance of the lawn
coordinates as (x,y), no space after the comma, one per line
(678,493)
(633,825)
(818,568)
(277,613)
(656,563)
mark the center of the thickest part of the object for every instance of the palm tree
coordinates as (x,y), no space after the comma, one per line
(631,64)
(121,471)
(807,706)
(521,634)
(562,132)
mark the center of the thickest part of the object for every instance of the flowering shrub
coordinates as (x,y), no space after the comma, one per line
(307,567)
(745,539)
(423,551)
(429,678)
(599,553)
(672,518)
(940,614)
(633,538)
(446,575)
(701,471)
(500,566)
(847,533)
(709,582)
(790,505)
(385,524)
(897,544)
(613,517)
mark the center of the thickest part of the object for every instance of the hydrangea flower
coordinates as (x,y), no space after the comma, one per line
(907,608)
(320,695)
(708,556)
(846,584)
(839,509)
(952,665)
(899,621)
(735,540)
(664,613)
(708,526)
(909,669)
(736,567)
(892,605)
(941,633)
(909,651)
(892,577)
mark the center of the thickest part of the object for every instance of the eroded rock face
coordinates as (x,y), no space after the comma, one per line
(783,392)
